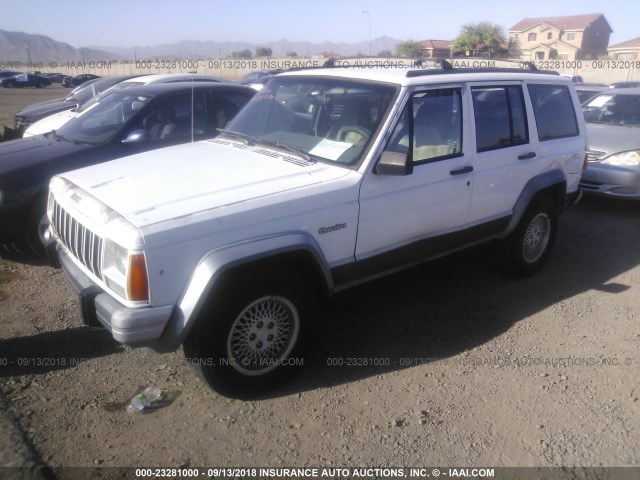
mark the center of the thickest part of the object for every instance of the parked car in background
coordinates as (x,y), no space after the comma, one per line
(252,77)
(78,80)
(56,120)
(119,124)
(25,80)
(8,73)
(613,129)
(575,79)
(54,77)
(585,92)
(624,85)
(31,114)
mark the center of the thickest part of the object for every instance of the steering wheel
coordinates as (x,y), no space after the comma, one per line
(353,134)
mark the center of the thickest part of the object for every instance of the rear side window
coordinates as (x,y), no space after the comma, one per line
(554,112)
(500,117)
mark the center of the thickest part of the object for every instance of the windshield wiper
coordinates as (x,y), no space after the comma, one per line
(283,146)
(246,139)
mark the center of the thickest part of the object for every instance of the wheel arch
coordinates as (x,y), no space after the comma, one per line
(295,251)
(552,184)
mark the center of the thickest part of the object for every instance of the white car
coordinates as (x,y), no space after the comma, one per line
(55,121)
(326,179)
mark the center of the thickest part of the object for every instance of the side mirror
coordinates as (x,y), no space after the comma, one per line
(394,163)
(136,136)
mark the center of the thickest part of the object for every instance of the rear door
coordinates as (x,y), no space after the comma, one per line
(505,154)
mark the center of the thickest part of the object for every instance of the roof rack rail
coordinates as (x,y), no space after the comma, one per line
(448,67)
(442,65)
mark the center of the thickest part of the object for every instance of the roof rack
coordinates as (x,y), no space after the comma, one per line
(447,67)
(442,65)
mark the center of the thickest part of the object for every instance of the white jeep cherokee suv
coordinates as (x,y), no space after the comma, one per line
(326,179)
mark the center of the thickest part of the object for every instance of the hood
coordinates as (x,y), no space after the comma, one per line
(182,180)
(612,138)
(42,109)
(52,122)
(36,151)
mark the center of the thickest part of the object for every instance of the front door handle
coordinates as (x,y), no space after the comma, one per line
(527,156)
(462,171)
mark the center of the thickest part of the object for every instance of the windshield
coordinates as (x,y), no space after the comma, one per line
(613,109)
(325,119)
(114,88)
(99,124)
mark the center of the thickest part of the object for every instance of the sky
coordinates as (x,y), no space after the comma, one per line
(130,23)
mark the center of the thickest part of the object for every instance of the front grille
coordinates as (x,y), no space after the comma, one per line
(594,155)
(85,245)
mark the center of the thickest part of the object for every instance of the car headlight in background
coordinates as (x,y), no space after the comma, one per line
(624,159)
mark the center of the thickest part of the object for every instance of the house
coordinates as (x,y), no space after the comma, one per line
(437,48)
(575,37)
(629,50)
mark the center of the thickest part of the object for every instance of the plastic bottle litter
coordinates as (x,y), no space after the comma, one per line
(144,400)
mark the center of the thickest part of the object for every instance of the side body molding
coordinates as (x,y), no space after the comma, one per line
(216,262)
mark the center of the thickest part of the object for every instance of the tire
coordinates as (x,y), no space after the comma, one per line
(529,246)
(250,338)
(36,224)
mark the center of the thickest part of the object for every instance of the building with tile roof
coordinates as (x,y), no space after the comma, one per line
(574,37)
(629,50)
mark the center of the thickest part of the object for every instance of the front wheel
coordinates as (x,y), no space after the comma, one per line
(250,338)
(529,246)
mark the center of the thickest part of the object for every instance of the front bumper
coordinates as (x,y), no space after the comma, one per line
(137,327)
(611,181)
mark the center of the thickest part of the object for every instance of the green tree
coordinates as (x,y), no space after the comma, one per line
(480,39)
(246,53)
(409,48)
(385,53)
(263,52)
(292,54)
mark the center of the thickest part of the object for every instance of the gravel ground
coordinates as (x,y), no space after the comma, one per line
(456,365)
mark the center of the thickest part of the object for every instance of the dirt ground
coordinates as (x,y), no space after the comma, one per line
(458,365)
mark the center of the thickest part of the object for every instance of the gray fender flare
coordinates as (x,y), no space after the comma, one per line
(215,263)
(531,188)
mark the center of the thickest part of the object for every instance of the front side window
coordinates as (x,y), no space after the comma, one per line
(432,124)
(500,117)
(324,119)
(554,112)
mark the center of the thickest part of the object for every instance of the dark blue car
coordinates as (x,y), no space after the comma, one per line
(120,124)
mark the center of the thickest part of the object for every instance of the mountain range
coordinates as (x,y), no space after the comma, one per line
(19,47)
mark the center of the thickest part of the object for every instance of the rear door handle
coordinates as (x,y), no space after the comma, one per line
(462,171)
(527,156)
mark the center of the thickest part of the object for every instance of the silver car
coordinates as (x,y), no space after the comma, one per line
(613,129)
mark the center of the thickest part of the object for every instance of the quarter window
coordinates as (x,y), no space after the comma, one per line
(500,117)
(554,112)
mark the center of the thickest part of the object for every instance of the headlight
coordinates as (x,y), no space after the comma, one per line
(125,269)
(624,159)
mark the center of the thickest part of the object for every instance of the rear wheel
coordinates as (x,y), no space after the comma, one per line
(250,338)
(529,246)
